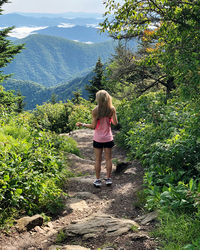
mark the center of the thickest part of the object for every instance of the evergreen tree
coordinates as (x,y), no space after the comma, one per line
(96,83)
(53,98)
(20,102)
(77,97)
(7,49)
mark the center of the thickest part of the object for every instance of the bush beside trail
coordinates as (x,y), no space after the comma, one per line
(165,138)
(33,164)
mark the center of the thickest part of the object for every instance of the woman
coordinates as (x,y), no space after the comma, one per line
(102,116)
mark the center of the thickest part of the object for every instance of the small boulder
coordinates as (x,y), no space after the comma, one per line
(144,219)
(99,223)
(76,204)
(28,223)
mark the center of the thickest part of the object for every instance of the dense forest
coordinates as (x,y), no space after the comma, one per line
(156,92)
(50,60)
(36,94)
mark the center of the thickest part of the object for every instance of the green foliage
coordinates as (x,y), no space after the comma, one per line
(178,232)
(36,94)
(32,168)
(165,138)
(61,237)
(9,104)
(172,27)
(80,113)
(96,83)
(8,49)
(52,117)
(62,117)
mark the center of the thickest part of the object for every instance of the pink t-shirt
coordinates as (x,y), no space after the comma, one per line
(102,132)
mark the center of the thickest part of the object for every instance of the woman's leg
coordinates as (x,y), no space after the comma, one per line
(108,157)
(98,159)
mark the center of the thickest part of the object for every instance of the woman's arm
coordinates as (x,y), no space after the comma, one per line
(114,117)
(94,121)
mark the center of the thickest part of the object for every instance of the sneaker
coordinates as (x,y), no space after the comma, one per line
(108,181)
(97,183)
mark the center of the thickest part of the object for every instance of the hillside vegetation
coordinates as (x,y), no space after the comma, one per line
(50,60)
(160,120)
(33,160)
(36,94)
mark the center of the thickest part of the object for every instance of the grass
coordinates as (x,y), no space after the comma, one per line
(61,236)
(178,231)
(134,228)
(141,199)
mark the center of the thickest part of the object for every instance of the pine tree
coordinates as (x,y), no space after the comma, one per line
(20,102)
(53,98)
(77,97)
(7,49)
(96,82)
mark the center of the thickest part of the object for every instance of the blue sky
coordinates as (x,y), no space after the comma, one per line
(54,6)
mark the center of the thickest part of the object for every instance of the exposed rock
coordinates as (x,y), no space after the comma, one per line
(78,159)
(39,229)
(99,223)
(139,236)
(147,217)
(131,171)
(76,204)
(27,223)
(67,247)
(86,195)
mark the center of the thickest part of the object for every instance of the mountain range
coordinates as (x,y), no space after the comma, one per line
(76,33)
(50,60)
(36,94)
(60,53)
(18,20)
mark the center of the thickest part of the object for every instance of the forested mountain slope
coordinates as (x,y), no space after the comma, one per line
(35,93)
(49,60)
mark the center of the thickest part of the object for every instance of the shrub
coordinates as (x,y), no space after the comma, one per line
(62,117)
(32,169)
(165,139)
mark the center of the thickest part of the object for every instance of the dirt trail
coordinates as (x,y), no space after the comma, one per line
(86,204)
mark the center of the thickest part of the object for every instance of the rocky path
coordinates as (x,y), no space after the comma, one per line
(106,218)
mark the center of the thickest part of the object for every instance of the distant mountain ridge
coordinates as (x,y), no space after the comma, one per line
(50,60)
(79,33)
(36,94)
(17,20)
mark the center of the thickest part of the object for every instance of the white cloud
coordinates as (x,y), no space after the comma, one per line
(88,42)
(66,25)
(83,42)
(22,32)
(92,25)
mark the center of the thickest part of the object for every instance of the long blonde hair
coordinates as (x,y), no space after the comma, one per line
(104,101)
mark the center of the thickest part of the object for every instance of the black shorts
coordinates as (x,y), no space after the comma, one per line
(109,144)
